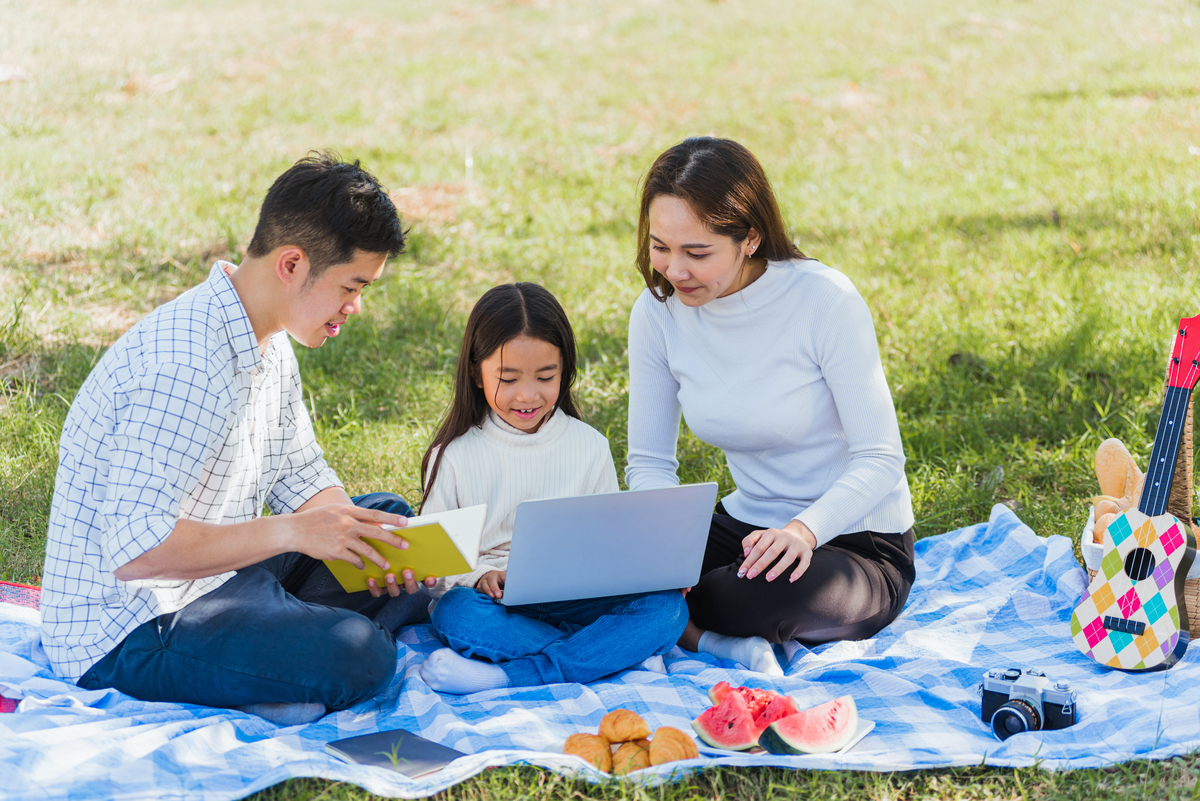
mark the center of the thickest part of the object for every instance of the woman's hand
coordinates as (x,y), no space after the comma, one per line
(792,543)
(491,584)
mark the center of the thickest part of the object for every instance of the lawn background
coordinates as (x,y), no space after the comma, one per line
(1012,186)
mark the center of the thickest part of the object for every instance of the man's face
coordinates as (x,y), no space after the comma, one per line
(317,309)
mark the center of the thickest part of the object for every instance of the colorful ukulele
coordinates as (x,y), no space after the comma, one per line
(1134,615)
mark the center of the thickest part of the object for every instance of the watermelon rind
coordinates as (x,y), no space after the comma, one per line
(728,725)
(820,730)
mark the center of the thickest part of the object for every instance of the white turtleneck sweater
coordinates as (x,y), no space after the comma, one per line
(783,376)
(501,466)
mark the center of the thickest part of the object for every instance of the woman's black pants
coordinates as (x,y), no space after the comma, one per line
(856,584)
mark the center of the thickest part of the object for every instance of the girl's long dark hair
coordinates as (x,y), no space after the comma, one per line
(504,313)
(726,188)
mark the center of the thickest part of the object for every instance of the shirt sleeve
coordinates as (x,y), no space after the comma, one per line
(654,411)
(166,422)
(849,358)
(303,471)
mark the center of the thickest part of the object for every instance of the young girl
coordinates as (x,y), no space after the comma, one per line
(513,434)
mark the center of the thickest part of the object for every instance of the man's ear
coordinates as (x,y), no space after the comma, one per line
(291,265)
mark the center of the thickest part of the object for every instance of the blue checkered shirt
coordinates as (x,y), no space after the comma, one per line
(183,417)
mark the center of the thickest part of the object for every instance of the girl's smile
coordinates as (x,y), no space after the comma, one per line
(521,381)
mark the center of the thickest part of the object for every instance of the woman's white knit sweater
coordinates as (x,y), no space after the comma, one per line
(501,466)
(783,376)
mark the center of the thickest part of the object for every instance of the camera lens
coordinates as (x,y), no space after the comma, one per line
(1015,717)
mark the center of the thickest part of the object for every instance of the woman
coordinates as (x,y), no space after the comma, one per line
(772,358)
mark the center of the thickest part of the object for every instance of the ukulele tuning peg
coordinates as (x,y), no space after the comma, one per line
(1174,360)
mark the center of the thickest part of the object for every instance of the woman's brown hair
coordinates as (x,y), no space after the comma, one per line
(504,313)
(727,190)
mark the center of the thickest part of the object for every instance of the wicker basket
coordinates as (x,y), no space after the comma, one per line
(1180,505)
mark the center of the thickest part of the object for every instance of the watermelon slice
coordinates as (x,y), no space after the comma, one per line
(820,730)
(728,725)
(781,706)
(757,700)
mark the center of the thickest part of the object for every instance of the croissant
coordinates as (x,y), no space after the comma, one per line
(623,725)
(592,748)
(671,745)
(631,756)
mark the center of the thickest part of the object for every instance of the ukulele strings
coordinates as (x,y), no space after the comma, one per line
(1175,404)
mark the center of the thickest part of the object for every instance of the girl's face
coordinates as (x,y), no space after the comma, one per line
(700,265)
(521,380)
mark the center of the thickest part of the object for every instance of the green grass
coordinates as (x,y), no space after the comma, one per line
(1013,187)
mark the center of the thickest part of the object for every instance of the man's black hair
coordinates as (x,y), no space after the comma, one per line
(331,209)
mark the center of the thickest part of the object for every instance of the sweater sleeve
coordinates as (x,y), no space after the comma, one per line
(442,496)
(654,410)
(848,354)
(602,478)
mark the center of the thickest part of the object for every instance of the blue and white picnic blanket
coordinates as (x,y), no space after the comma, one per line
(991,595)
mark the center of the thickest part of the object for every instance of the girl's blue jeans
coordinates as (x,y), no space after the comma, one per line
(280,631)
(568,641)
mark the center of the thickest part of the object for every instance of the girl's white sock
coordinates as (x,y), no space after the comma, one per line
(753,652)
(447,672)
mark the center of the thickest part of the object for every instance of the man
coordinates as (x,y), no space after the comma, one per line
(162,577)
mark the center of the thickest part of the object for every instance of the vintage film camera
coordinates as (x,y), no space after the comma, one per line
(1015,701)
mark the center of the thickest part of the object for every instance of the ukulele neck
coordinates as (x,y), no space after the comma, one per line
(1157,489)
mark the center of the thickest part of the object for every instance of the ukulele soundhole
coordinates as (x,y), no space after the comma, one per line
(1139,564)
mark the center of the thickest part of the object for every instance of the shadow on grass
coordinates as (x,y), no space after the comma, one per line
(1137,233)
(1150,92)
(1021,424)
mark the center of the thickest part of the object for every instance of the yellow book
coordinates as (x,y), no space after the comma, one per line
(439,544)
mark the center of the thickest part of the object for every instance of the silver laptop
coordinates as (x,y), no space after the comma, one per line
(595,546)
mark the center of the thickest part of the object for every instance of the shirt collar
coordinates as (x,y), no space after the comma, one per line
(237,322)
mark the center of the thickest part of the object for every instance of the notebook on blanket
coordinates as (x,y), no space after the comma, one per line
(395,749)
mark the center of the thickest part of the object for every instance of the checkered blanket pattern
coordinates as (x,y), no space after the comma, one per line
(991,595)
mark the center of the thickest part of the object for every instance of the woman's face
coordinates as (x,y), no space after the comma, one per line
(700,265)
(521,381)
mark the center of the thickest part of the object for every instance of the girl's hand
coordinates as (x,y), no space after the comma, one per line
(491,584)
(393,589)
(792,543)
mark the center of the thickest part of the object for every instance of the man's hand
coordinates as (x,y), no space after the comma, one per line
(326,526)
(491,584)
(342,531)
(794,543)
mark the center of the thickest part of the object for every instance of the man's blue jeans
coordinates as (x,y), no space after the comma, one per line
(282,630)
(569,641)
